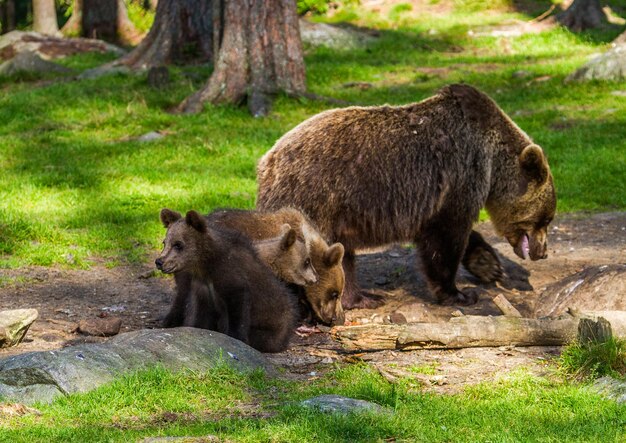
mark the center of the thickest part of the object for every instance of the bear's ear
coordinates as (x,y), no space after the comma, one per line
(196,221)
(534,165)
(288,237)
(334,255)
(168,217)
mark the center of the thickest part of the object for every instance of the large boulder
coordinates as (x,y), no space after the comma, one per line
(596,288)
(42,376)
(28,61)
(608,66)
(14,324)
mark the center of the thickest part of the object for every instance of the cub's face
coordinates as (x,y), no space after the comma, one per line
(524,219)
(325,295)
(298,265)
(180,247)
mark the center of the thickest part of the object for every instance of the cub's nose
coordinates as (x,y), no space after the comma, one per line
(159,264)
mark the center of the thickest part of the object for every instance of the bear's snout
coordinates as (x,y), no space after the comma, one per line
(159,264)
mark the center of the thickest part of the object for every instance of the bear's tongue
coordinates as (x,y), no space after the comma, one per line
(522,249)
(525,247)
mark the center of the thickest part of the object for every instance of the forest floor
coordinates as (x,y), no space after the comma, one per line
(140,297)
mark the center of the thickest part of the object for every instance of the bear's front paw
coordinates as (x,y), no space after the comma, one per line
(466,298)
(483,263)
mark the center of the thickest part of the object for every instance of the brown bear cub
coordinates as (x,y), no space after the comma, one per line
(323,296)
(238,292)
(369,176)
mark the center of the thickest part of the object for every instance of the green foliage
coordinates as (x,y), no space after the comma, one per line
(318,7)
(594,359)
(78,186)
(252,408)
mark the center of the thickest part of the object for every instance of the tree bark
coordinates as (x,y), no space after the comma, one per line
(45,17)
(582,15)
(182,31)
(7,16)
(102,19)
(257,54)
(471,331)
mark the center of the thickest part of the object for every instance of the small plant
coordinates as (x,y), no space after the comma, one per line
(594,359)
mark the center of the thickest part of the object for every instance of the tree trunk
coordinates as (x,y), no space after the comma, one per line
(182,31)
(73,26)
(7,16)
(45,17)
(102,19)
(583,14)
(258,54)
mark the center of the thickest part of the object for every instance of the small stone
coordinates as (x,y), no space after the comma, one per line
(397,318)
(339,404)
(14,324)
(394,254)
(102,327)
(520,74)
(150,137)
(381,281)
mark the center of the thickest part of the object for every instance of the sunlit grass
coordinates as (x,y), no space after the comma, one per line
(252,408)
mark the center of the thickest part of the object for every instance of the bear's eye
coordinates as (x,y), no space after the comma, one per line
(178,246)
(307,262)
(334,295)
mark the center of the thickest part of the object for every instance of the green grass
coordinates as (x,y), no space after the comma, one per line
(77,188)
(594,359)
(251,407)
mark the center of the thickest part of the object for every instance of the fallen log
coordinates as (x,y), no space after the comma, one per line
(469,331)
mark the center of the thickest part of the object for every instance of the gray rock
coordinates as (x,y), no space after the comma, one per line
(342,405)
(43,376)
(322,34)
(150,136)
(14,324)
(608,66)
(30,62)
(611,388)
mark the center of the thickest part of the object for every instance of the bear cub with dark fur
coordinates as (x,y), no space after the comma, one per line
(370,176)
(231,290)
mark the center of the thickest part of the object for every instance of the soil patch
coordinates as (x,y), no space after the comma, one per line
(140,297)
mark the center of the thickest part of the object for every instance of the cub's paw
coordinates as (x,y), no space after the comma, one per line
(466,298)
(483,262)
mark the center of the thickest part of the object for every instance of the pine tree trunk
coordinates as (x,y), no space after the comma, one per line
(258,54)
(7,16)
(102,19)
(182,31)
(45,17)
(583,14)
(73,26)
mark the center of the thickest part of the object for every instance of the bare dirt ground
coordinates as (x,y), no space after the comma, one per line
(139,297)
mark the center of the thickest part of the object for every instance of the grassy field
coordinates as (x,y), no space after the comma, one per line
(254,408)
(77,187)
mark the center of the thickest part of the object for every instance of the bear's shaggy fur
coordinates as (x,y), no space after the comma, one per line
(369,176)
(220,275)
(323,296)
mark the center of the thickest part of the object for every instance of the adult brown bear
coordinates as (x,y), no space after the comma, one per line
(369,176)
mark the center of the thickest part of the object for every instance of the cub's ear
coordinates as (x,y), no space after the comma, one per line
(534,164)
(288,237)
(196,221)
(334,255)
(168,217)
